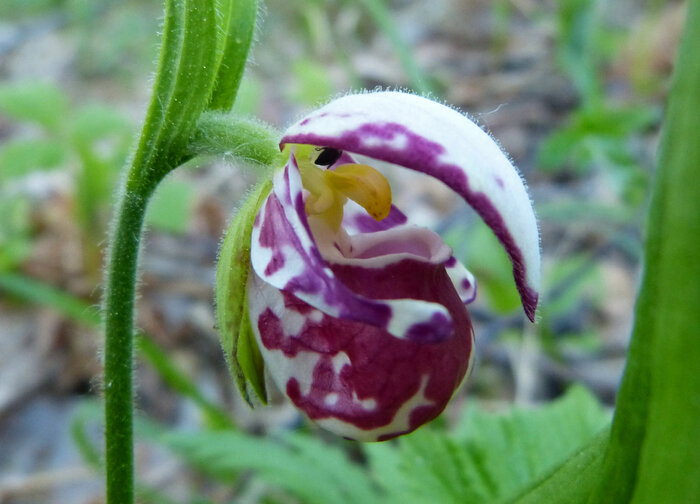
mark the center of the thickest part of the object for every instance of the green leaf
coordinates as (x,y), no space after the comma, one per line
(238,342)
(236,29)
(37,102)
(387,466)
(578,25)
(109,38)
(20,157)
(573,481)
(315,472)
(86,413)
(595,134)
(490,457)
(652,456)
(525,444)
(86,430)
(581,279)
(566,211)
(184,81)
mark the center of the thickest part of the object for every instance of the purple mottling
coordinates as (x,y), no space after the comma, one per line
(280,234)
(473,296)
(451,262)
(466,284)
(499,181)
(423,155)
(380,367)
(287,194)
(300,208)
(431,331)
(276,263)
(364,223)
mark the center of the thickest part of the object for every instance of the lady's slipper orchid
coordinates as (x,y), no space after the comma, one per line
(360,316)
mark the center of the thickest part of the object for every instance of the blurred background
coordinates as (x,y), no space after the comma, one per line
(572,89)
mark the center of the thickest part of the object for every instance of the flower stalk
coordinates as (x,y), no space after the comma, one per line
(119,329)
(192,76)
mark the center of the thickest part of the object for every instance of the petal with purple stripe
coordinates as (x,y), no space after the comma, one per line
(416,133)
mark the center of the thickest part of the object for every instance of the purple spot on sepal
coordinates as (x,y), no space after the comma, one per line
(439,328)
(292,302)
(276,263)
(451,262)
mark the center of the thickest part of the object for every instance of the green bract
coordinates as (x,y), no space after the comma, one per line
(237,339)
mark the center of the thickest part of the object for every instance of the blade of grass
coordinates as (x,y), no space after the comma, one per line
(40,293)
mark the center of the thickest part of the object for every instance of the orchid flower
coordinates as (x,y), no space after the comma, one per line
(360,316)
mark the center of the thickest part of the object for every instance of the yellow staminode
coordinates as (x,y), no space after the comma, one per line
(329,189)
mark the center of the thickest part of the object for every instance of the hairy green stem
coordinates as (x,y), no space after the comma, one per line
(202,56)
(118,353)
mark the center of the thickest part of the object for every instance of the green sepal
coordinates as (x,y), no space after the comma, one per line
(249,357)
(237,340)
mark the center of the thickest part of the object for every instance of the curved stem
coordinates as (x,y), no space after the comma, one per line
(203,51)
(118,352)
(216,134)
